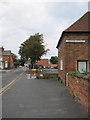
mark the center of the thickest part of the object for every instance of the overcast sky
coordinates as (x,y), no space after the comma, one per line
(20,19)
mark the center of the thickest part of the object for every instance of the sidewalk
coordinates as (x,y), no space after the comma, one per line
(8,70)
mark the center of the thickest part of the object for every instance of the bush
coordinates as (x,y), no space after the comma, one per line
(73,95)
(60,80)
(77,72)
(74,73)
(85,73)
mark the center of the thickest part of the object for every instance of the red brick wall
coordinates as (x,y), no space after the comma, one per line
(61,56)
(43,62)
(71,52)
(89,50)
(6,58)
(75,51)
(79,87)
(9,59)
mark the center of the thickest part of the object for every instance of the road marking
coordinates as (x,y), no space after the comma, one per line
(6,87)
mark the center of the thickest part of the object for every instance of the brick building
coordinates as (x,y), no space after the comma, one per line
(43,62)
(74,48)
(6,59)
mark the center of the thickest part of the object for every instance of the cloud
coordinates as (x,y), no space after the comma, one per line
(19,20)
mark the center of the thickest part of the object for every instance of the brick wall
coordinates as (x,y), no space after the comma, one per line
(75,51)
(9,60)
(71,52)
(61,56)
(80,87)
(6,58)
(89,50)
(43,62)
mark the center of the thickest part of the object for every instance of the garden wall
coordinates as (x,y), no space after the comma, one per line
(79,86)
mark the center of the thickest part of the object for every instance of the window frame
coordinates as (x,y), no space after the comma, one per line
(61,64)
(83,61)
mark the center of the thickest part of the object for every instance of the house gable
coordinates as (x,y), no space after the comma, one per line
(80,26)
(74,46)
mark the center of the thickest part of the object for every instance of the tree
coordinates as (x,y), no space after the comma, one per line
(33,48)
(22,60)
(54,60)
(15,59)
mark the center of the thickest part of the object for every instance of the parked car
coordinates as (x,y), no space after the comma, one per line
(56,67)
(51,67)
(47,67)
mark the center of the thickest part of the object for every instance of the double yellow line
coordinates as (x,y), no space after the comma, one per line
(6,87)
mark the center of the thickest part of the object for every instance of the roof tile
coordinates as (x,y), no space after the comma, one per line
(82,24)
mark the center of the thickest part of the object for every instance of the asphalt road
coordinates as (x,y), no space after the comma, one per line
(9,75)
(38,98)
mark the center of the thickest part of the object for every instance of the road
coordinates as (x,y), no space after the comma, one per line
(37,98)
(9,75)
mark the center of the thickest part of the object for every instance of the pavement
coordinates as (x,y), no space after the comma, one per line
(38,98)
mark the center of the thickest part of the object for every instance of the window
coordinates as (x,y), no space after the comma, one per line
(61,65)
(6,64)
(82,65)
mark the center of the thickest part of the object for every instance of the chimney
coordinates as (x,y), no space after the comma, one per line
(1,49)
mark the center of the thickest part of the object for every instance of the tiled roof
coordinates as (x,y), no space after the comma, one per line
(83,24)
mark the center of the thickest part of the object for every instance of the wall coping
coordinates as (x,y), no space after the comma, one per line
(85,77)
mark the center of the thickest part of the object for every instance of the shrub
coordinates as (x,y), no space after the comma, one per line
(77,72)
(74,73)
(85,73)
(73,95)
(59,79)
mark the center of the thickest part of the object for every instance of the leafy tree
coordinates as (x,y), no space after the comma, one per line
(54,60)
(33,48)
(15,59)
(22,60)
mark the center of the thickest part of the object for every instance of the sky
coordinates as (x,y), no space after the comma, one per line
(20,19)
